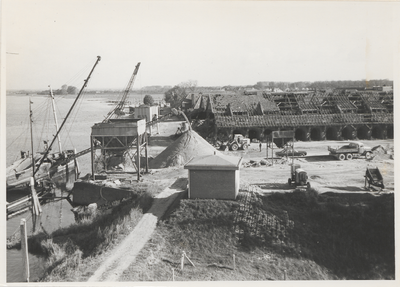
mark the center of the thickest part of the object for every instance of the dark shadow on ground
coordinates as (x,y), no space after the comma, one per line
(165,205)
(348,197)
(274,186)
(180,183)
(160,141)
(347,188)
(316,158)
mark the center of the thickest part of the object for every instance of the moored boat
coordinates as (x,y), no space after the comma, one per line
(46,168)
(54,170)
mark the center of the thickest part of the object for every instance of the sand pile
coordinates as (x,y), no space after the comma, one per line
(190,144)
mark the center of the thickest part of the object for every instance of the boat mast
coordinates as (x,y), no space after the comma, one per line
(30,127)
(55,118)
(35,200)
(70,110)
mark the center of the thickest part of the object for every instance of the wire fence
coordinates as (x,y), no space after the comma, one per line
(256,223)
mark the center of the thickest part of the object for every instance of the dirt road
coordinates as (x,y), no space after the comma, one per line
(127,251)
(325,173)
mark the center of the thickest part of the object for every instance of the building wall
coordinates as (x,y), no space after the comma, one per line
(213,184)
(147,112)
(315,133)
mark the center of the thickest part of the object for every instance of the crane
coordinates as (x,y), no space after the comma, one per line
(118,109)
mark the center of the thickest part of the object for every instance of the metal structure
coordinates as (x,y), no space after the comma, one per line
(116,146)
(117,142)
(373,177)
(285,137)
(118,110)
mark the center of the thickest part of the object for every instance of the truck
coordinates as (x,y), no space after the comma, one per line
(351,150)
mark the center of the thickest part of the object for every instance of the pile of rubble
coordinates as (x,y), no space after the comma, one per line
(381,153)
(265,162)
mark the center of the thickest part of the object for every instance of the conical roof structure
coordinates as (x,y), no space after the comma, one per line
(188,145)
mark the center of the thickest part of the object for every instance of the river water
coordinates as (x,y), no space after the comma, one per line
(89,110)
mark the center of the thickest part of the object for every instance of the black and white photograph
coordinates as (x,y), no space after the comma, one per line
(198,142)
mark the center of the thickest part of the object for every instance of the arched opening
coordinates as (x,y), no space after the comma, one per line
(347,133)
(300,134)
(254,134)
(239,131)
(377,132)
(362,133)
(390,132)
(267,133)
(315,134)
(223,135)
(331,134)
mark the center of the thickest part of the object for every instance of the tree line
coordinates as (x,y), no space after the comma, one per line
(65,90)
(175,95)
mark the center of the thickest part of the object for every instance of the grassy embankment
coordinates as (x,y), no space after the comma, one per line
(312,237)
(325,237)
(73,253)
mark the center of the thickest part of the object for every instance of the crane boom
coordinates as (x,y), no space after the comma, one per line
(118,109)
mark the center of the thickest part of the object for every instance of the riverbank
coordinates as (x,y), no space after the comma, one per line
(80,251)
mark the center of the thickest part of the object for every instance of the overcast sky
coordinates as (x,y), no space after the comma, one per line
(214,43)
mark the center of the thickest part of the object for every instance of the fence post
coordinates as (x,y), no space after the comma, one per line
(234,262)
(173,275)
(182,260)
(284,275)
(24,249)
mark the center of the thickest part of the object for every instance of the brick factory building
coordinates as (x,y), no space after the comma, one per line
(313,116)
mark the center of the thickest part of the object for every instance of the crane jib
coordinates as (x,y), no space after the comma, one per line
(66,117)
(121,103)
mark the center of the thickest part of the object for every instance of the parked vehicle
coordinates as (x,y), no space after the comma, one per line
(350,150)
(238,142)
(298,176)
(291,152)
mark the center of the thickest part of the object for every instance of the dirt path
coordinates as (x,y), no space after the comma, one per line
(126,252)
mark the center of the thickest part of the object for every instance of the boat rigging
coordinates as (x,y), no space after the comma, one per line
(66,117)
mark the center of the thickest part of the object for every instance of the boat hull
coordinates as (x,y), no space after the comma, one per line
(63,176)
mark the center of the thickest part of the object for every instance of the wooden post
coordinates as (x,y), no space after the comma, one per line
(234,262)
(35,200)
(182,260)
(272,146)
(92,155)
(284,275)
(146,154)
(173,275)
(138,156)
(190,261)
(24,249)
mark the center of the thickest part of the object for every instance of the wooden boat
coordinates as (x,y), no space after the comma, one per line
(59,168)
(53,170)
